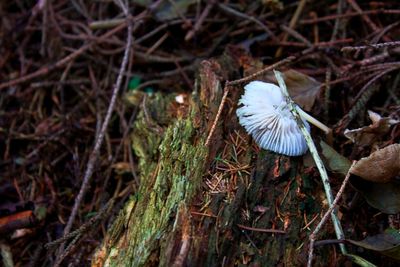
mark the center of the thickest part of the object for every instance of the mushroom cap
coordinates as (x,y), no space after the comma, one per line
(266,116)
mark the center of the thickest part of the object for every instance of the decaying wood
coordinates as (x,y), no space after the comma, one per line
(208,206)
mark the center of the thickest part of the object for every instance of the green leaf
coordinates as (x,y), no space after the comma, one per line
(40,212)
(387,243)
(149,90)
(360,261)
(134,83)
(335,162)
(90,214)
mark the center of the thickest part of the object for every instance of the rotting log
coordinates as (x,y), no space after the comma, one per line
(189,211)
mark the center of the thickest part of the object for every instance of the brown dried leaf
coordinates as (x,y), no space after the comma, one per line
(121,167)
(387,243)
(382,196)
(366,135)
(381,166)
(302,88)
(274,5)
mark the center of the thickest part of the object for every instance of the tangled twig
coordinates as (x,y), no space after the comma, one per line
(100,137)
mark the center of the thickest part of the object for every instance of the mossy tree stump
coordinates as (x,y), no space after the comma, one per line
(210,206)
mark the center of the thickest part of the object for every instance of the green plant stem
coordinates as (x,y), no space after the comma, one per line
(317,159)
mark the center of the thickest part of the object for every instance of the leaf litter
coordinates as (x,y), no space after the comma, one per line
(56,79)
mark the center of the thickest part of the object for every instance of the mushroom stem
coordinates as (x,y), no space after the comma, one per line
(314,121)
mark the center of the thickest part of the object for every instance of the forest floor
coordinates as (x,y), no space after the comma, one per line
(74,75)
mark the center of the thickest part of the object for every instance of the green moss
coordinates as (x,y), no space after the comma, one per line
(179,164)
(164,185)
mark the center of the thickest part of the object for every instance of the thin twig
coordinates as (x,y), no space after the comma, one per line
(317,45)
(200,21)
(61,256)
(314,153)
(375,46)
(221,106)
(326,216)
(78,233)
(261,72)
(83,228)
(261,230)
(349,15)
(363,97)
(296,35)
(327,92)
(100,138)
(47,69)
(45,24)
(292,24)
(105,24)
(338,21)
(365,17)
(250,18)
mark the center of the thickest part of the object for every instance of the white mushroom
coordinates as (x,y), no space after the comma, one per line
(266,116)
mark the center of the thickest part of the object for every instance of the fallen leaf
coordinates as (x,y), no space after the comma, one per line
(387,243)
(302,89)
(366,135)
(122,167)
(134,97)
(334,161)
(19,233)
(274,5)
(360,261)
(382,196)
(381,166)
